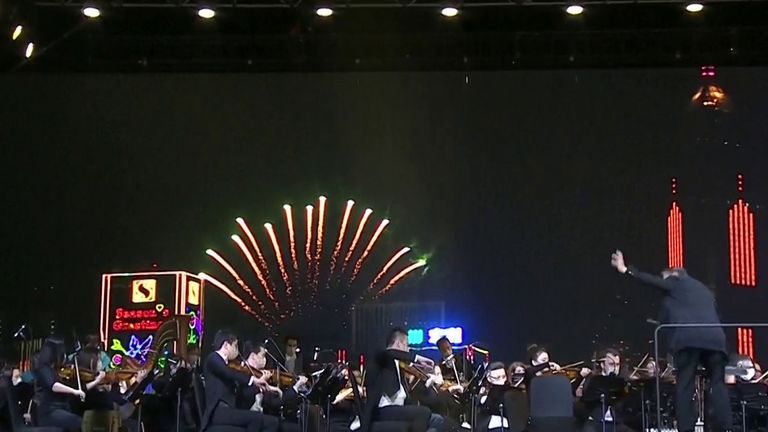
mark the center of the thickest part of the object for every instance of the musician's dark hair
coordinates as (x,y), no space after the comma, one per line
(291,337)
(252,347)
(513,366)
(92,341)
(51,354)
(222,336)
(495,366)
(534,351)
(395,334)
(88,358)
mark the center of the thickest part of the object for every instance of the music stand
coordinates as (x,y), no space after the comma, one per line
(606,390)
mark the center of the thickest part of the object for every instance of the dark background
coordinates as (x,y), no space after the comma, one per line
(519,185)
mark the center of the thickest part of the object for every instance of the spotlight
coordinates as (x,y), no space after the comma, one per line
(30,49)
(91,12)
(449,11)
(574,9)
(324,12)
(17,32)
(694,7)
(206,12)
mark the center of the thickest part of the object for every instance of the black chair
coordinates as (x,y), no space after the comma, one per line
(199,391)
(376,426)
(14,413)
(516,408)
(551,405)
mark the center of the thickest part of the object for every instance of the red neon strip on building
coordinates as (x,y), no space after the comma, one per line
(675,236)
(741,237)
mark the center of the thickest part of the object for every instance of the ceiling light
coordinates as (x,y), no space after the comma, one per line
(575,9)
(449,11)
(91,12)
(206,13)
(17,32)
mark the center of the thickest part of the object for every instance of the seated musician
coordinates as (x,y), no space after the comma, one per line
(220,390)
(270,399)
(345,414)
(590,412)
(294,362)
(51,394)
(516,374)
(493,403)
(440,397)
(386,391)
(539,363)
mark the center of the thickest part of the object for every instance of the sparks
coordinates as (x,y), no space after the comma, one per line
(262,262)
(356,239)
(243,305)
(389,264)
(256,270)
(402,274)
(308,244)
(279,257)
(340,240)
(218,258)
(319,244)
(292,239)
(371,243)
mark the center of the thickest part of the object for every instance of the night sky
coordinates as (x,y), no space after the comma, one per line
(518,185)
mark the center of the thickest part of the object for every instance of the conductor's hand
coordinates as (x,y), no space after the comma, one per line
(617,261)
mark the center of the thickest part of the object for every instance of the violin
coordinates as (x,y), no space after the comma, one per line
(87,375)
(415,372)
(282,379)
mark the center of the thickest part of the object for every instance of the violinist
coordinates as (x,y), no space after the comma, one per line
(51,394)
(493,411)
(220,390)
(440,397)
(386,390)
(540,364)
(590,413)
(516,374)
(269,399)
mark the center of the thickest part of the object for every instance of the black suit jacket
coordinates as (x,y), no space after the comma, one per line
(687,301)
(220,385)
(382,380)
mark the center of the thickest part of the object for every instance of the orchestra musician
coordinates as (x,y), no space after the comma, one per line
(492,414)
(688,301)
(516,374)
(51,394)
(270,399)
(539,364)
(294,362)
(220,390)
(386,390)
(590,413)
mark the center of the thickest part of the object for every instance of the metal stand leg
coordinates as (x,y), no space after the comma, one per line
(178,410)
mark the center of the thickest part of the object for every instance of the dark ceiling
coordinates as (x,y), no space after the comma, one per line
(279,37)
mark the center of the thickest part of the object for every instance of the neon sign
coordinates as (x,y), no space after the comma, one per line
(137,349)
(417,336)
(454,334)
(140,319)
